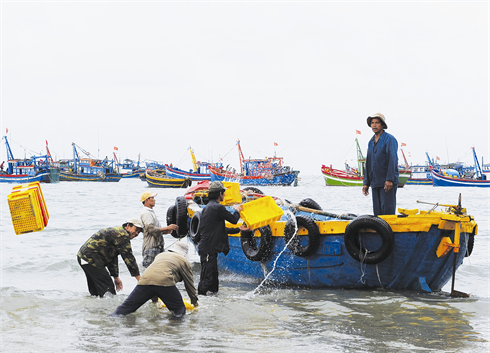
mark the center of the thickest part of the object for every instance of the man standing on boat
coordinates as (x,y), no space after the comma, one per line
(381,173)
(101,250)
(214,236)
(152,230)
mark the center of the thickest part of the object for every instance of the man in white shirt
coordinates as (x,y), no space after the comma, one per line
(153,242)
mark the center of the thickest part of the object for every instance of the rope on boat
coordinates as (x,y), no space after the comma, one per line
(379,279)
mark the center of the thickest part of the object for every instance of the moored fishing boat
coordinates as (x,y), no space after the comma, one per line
(35,168)
(164,181)
(414,250)
(89,169)
(265,171)
(355,176)
(199,172)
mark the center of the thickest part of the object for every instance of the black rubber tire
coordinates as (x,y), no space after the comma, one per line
(353,243)
(249,244)
(254,190)
(194,228)
(313,236)
(171,216)
(180,217)
(471,243)
(310,203)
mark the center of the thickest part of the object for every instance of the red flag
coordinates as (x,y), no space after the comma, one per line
(437,158)
(403,144)
(116,149)
(358,132)
(6,130)
(275,144)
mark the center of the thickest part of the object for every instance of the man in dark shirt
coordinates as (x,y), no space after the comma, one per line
(101,250)
(214,236)
(381,173)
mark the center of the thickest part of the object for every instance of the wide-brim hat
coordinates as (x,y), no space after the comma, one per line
(146,195)
(179,247)
(216,186)
(136,222)
(380,116)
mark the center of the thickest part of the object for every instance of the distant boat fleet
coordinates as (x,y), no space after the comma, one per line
(253,171)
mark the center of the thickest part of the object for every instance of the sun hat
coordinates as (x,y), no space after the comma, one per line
(380,116)
(216,186)
(179,247)
(136,222)
(146,195)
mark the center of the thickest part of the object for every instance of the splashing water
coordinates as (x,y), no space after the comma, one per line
(290,215)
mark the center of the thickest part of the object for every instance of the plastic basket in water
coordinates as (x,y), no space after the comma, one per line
(261,212)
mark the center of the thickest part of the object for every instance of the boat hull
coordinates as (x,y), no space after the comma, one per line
(424,181)
(441,180)
(181,174)
(43,177)
(89,177)
(283,179)
(335,177)
(413,264)
(167,182)
(130,175)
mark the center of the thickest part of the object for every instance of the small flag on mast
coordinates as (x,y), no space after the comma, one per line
(275,144)
(358,132)
(116,149)
(403,144)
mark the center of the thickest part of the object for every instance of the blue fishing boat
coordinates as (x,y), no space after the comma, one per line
(421,173)
(89,169)
(35,168)
(259,172)
(453,177)
(199,172)
(130,169)
(309,247)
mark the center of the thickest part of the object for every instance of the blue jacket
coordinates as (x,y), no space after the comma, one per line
(381,161)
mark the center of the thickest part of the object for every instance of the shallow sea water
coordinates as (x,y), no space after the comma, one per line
(45,305)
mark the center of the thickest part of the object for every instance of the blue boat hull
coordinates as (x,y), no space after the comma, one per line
(441,180)
(43,177)
(181,174)
(285,179)
(413,264)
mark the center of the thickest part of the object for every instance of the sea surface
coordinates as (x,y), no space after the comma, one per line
(45,305)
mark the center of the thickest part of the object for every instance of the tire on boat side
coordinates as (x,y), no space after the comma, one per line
(353,243)
(471,243)
(194,228)
(313,236)
(254,190)
(180,217)
(310,203)
(249,244)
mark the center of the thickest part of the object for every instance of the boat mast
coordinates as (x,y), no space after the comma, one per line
(10,157)
(240,156)
(194,163)
(360,160)
(478,170)
(406,163)
(75,158)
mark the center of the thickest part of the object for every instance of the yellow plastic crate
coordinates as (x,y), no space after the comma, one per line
(25,212)
(261,212)
(232,193)
(27,208)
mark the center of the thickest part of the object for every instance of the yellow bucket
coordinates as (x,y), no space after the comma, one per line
(261,212)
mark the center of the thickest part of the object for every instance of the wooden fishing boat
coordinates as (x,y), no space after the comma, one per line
(355,177)
(35,168)
(199,171)
(265,171)
(166,182)
(309,247)
(130,169)
(89,169)
(453,177)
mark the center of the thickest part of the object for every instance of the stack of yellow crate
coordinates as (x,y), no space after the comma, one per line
(27,208)
(261,212)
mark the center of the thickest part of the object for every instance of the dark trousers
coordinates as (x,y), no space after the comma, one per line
(170,296)
(384,203)
(98,280)
(209,274)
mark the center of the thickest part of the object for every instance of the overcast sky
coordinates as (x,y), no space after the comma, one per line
(158,77)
